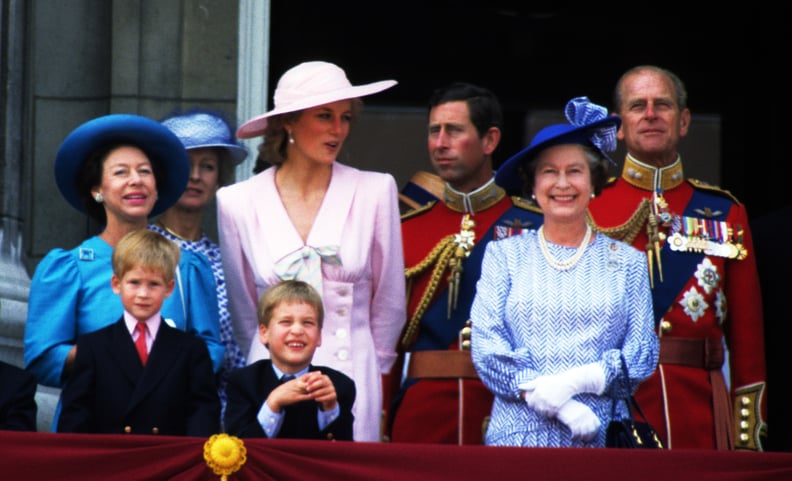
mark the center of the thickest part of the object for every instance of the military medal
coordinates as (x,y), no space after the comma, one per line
(710,237)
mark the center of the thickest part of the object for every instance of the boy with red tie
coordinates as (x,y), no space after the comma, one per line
(140,375)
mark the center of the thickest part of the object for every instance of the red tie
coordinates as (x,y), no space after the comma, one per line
(140,342)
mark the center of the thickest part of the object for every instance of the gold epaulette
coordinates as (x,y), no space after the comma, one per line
(700,184)
(629,230)
(417,211)
(526,204)
(748,423)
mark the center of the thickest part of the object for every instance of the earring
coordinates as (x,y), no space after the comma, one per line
(593,195)
(291,139)
(99,198)
(533,196)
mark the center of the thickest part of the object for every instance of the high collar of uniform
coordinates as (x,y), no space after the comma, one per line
(648,177)
(480,199)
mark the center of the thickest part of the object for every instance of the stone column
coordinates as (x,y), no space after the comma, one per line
(14,280)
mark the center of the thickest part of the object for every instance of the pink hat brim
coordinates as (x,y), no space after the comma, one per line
(255,126)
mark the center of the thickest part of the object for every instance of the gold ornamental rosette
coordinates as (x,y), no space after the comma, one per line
(224,454)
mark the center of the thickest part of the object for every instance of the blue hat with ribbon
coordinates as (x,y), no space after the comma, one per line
(201,129)
(589,124)
(159,144)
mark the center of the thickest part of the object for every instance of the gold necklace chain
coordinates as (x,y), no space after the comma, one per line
(566,264)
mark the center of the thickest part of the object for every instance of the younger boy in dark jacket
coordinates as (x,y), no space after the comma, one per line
(140,375)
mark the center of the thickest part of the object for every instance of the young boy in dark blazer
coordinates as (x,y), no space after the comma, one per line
(313,402)
(140,375)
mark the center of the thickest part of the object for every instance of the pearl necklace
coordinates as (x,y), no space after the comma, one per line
(566,264)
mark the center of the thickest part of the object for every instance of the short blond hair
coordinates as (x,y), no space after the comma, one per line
(289,291)
(148,250)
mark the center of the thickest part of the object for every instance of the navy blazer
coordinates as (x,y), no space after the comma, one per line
(17,398)
(109,390)
(249,387)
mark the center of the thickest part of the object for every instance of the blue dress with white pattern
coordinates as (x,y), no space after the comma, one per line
(530,319)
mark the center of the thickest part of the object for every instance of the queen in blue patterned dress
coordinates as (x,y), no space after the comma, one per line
(214,153)
(557,309)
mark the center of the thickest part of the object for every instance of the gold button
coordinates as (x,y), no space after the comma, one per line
(745,401)
(127,429)
(745,413)
(665,327)
(155,430)
(466,345)
(744,438)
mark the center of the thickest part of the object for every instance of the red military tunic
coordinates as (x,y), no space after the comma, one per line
(441,399)
(709,291)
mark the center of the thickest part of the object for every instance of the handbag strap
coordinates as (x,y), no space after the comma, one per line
(629,399)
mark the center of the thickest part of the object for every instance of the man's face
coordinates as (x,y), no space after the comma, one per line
(652,122)
(458,154)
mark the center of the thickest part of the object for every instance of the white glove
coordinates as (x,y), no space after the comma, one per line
(580,419)
(546,394)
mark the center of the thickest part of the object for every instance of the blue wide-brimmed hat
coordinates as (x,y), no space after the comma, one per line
(159,144)
(204,129)
(589,124)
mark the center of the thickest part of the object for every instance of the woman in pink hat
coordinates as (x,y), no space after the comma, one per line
(312,218)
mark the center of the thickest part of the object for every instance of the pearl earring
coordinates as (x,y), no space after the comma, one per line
(593,195)
(533,196)
(99,198)
(291,139)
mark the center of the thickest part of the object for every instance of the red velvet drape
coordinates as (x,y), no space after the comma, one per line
(65,457)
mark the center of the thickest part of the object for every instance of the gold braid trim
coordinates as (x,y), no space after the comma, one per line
(440,257)
(628,231)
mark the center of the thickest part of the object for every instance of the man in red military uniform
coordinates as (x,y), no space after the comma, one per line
(703,273)
(438,397)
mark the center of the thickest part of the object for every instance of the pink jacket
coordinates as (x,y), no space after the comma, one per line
(363,297)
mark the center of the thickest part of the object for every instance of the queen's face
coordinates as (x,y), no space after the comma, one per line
(128,186)
(562,182)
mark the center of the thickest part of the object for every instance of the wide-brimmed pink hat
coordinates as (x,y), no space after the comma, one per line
(307,85)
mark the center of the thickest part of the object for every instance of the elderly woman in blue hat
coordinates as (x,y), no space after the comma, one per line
(313,218)
(213,153)
(119,169)
(558,310)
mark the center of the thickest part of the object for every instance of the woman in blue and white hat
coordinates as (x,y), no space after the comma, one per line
(557,309)
(213,153)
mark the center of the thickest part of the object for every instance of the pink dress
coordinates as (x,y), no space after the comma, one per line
(363,296)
